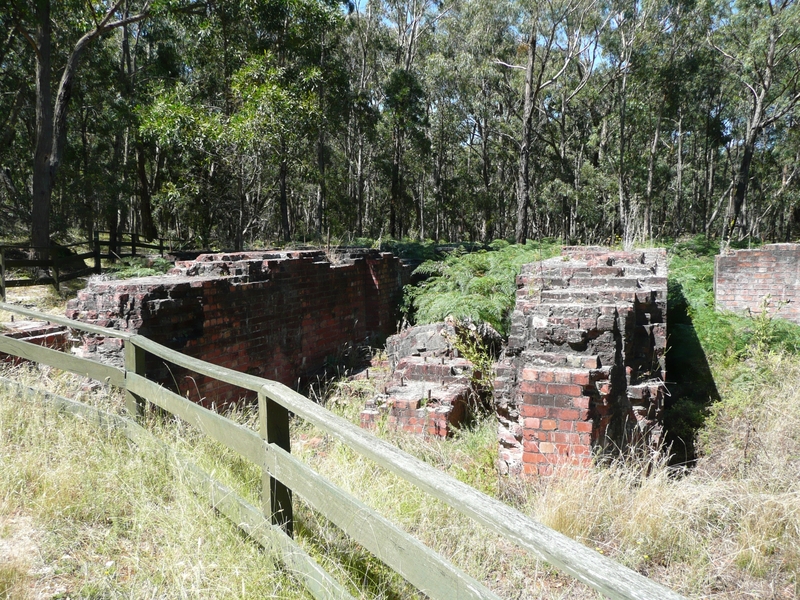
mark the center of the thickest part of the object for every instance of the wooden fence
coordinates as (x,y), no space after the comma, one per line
(124,241)
(57,264)
(284,475)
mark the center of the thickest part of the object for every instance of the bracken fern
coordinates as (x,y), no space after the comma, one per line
(479,286)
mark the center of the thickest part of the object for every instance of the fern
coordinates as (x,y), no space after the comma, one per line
(480,285)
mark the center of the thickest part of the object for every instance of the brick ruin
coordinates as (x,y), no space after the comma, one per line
(279,315)
(431,388)
(583,371)
(34,332)
(745,279)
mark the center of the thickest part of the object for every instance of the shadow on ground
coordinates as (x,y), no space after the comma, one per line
(690,384)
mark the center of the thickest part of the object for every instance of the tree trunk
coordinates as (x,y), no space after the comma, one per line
(679,179)
(651,161)
(624,202)
(321,190)
(360,187)
(284,200)
(42,174)
(149,230)
(742,180)
(51,119)
(396,184)
(523,183)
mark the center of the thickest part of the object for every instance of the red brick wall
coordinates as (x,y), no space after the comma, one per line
(584,367)
(744,278)
(281,316)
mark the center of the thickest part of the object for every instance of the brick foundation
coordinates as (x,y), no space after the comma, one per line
(584,366)
(278,315)
(743,279)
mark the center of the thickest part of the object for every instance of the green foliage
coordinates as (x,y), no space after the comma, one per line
(705,342)
(480,285)
(724,336)
(135,266)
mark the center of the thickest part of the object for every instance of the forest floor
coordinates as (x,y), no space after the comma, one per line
(85,514)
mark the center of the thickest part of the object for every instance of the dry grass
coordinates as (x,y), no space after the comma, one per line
(728,529)
(102,519)
(83,513)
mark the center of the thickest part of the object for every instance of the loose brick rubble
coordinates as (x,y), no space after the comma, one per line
(750,280)
(584,367)
(279,315)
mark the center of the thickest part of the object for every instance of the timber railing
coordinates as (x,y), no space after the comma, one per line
(58,265)
(285,475)
(55,264)
(128,244)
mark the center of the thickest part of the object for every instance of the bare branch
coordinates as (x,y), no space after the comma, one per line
(497,61)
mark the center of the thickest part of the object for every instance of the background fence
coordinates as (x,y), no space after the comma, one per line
(62,266)
(284,475)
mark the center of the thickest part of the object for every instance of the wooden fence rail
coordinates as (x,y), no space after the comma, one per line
(283,475)
(133,242)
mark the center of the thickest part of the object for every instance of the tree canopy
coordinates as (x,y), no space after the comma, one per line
(240,123)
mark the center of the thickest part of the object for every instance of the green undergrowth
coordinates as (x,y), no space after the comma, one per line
(138,266)
(480,286)
(725,337)
(707,347)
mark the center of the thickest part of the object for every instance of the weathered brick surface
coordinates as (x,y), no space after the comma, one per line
(743,280)
(279,315)
(428,393)
(584,366)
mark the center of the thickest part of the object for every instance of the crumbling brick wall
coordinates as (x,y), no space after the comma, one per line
(430,389)
(279,315)
(743,280)
(584,366)
(48,335)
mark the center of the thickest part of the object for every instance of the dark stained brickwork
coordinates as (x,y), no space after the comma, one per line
(584,366)
(278,315)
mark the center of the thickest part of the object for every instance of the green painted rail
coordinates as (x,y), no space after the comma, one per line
(283,475)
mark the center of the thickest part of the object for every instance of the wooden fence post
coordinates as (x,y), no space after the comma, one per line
(276,498)
(56,278)
(134,362)
(3,274)
(96,250)
(133,244)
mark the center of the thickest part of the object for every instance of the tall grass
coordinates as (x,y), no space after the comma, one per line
(729,528)
(110,521)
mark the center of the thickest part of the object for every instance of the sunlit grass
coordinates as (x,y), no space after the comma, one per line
(110,520)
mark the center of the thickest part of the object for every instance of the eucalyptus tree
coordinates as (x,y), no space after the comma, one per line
(363,36)
(17,108)
(258,93)
(472,121)
(408,21)
(760,45)
(554,34)
(35,25)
